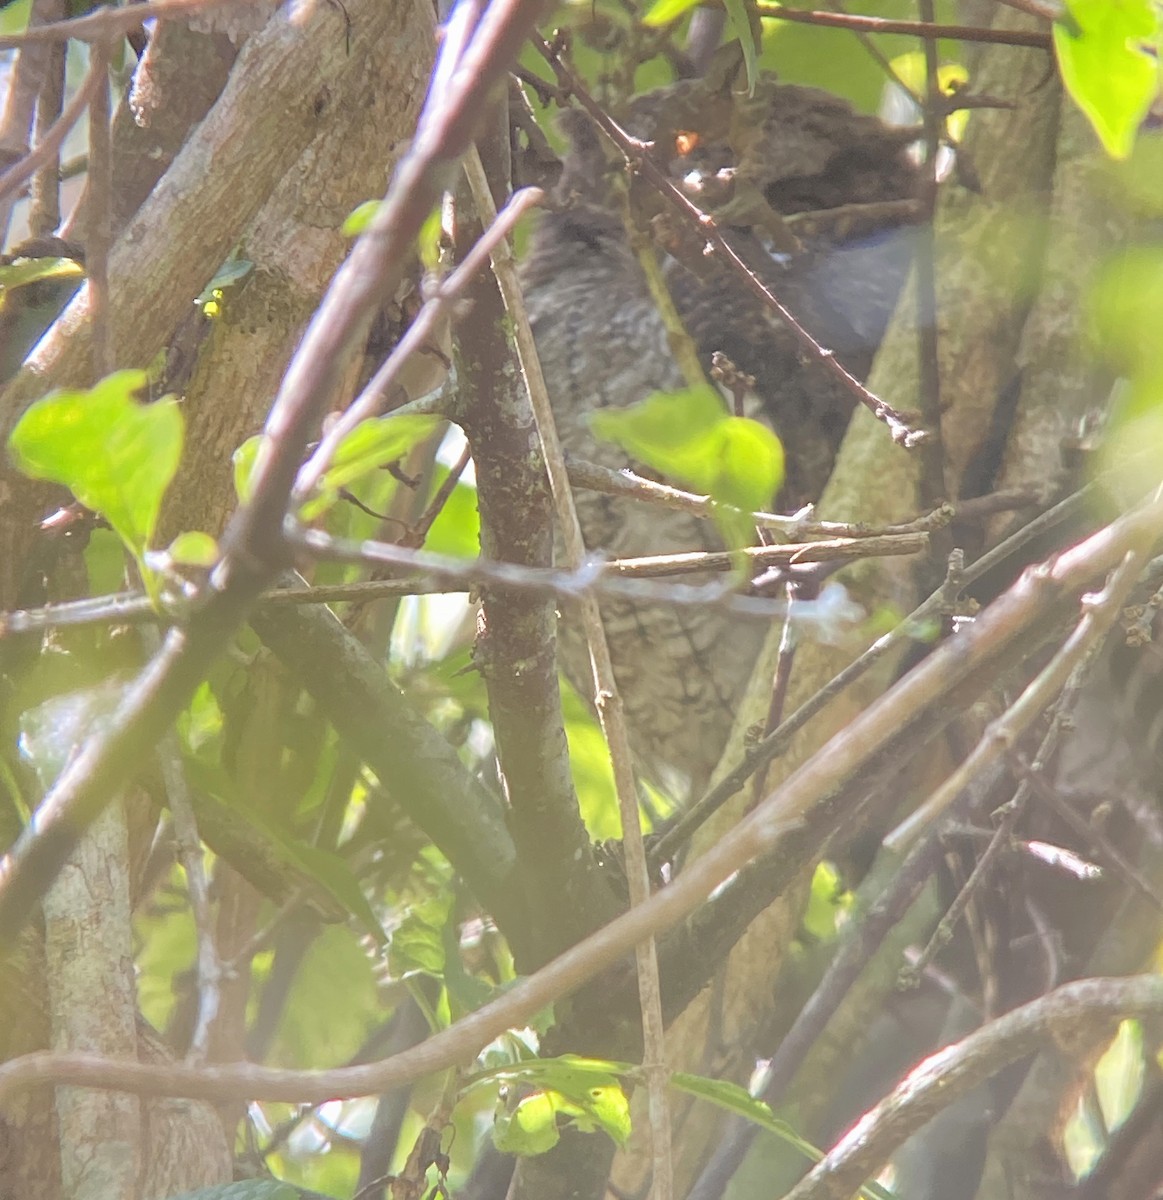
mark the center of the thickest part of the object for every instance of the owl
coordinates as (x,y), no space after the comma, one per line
(819,200)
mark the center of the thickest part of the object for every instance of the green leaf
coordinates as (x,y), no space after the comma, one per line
(530,1128)
(584,1091)
(740,20)
(370,445)
(418,942)
(1099,44)
(457,528)
(360,218)
(243,460)
(603,1107)
(193,549)
(690,436)
(749,464)
(568,1073)
(35,270)
(738,1101)
(429,239)
(666,429)
(115,455)
(662,12)
(231,272)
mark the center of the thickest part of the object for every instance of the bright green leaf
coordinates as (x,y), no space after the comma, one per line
(664,431)
(243,460)
(690,436)
(530,1128)
(568,1073)
(586,1091)
(36,270)
(750,465)
(193,549)
(370,445)
(360,218)
(1119,1074)
(115,455)
(429,239)
(1099,44)
(662,12)
(604,1107)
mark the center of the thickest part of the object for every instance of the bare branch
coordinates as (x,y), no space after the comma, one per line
(109,22)
(922,29)
(1079,1014)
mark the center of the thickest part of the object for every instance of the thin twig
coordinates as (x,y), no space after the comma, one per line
(44,209)
(418,534)
(48,148)
(110,22)
(1011,813)
(917,624)
(254,549)
(624,482)
(1077,1014)
(1035,8)
(875,53)
(189,845)
(627,578)
(25,81)
(921,29)
(781,679)
(99,221)
(932,473)
(1100,845)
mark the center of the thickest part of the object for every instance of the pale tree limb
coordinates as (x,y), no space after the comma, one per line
(1077,1014)
(109,22)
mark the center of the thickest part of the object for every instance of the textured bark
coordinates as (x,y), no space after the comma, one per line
(295,244)
(279,92)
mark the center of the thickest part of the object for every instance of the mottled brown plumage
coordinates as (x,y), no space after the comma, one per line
(602,344)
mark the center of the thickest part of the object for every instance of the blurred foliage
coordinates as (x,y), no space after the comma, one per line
(1107,55)
(115,455)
